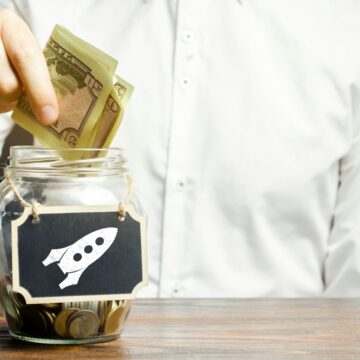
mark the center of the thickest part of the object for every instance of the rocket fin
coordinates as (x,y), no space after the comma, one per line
(71,279)
(55,255)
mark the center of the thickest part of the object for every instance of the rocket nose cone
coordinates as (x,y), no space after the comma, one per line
(113,232)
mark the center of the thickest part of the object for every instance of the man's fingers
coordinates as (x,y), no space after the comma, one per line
(30,65)
(10,85)
(7,107)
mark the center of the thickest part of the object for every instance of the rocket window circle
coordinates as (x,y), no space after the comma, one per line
(77,257)
(88,249)
(99,241)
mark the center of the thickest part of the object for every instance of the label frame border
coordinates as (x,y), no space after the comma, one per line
(15,224)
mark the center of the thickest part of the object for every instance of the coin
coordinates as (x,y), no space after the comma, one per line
(12,315)
(50,318)
(83,324)
(60,323)
(127,308)
(14,324)
(101,314)
(104,308)
(19,299)
(11,309)
(113,320)
(51,306)
(34,320)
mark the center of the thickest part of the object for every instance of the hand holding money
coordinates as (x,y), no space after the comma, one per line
(83,101)
(91,98)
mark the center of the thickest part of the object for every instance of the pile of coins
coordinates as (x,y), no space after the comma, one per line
(74,320)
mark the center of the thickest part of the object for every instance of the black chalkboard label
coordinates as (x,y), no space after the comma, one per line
(78,253)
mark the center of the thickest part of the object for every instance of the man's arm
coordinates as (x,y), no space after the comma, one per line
(342,264)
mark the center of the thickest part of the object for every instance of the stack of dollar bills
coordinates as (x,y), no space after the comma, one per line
(91,97)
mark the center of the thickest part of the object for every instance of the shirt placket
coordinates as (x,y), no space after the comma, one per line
(180,178)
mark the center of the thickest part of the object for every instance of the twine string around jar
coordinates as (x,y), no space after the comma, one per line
(35,205)
(122,210)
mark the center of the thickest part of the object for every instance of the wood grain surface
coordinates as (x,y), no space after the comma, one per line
(219,329)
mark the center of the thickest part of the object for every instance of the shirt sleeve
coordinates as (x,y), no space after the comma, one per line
(6,4)
(21,7)
(342,263)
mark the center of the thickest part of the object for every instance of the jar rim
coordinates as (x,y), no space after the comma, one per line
(25,159)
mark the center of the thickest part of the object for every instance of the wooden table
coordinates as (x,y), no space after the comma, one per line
(219,329)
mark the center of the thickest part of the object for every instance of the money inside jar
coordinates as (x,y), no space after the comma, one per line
(77,320)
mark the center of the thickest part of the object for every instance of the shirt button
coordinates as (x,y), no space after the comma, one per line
(190,57)
(175,291)
(180,185)
(185,82)
(188,36)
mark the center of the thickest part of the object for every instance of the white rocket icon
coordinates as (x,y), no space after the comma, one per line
(75,259)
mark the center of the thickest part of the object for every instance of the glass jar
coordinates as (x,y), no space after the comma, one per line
(41,175)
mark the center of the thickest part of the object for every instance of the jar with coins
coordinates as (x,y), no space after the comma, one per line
(65,277)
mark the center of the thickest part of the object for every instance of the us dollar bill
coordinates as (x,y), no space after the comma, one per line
(112,114)
(90,104)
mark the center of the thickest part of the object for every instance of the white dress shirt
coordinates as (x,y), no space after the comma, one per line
(242,135)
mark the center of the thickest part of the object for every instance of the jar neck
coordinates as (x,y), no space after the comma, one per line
(34,161)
